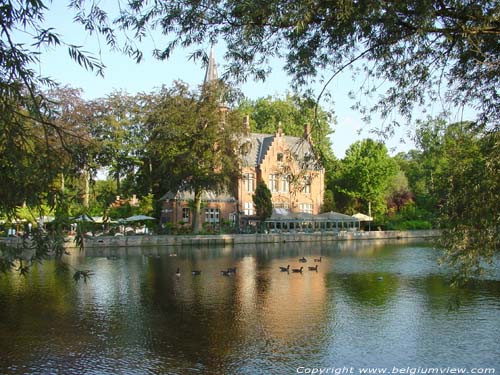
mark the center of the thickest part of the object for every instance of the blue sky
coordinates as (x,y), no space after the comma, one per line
(123,74)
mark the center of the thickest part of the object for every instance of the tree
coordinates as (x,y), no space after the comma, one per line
(365,175)
(33,143)
(193,142)
(262,201)
(469,188)
(422,49)
(118,131)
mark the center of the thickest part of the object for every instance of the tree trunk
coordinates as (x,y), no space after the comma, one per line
(118,183)
(197,207)
(86,192)
(63,187)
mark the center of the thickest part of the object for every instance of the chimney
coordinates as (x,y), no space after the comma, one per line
(246,123)
(279,133)
(307,132)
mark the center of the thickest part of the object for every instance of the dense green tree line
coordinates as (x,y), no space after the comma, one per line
(51,144)
(152,143)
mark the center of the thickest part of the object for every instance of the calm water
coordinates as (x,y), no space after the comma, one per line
(369,304)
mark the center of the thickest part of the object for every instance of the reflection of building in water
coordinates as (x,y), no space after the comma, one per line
(284,303)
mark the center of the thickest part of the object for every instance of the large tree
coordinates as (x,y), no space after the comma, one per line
(365,175)
(469,189)
(119,117)
(33,141)
(193,141)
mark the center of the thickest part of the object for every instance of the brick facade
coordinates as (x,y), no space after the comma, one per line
(286,164)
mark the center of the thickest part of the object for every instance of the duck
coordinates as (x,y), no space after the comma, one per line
(225,273)
(178,272)
(302,260)
(315,268)
(297,270)
(285,269)
(196,272)
(317,259)
(231,270)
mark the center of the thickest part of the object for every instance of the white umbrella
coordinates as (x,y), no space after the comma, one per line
(362,217)
(139,218)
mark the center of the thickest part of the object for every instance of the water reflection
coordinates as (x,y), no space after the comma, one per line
(369,304)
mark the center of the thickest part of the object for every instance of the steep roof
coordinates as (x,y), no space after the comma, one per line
(257,145)
(211,72)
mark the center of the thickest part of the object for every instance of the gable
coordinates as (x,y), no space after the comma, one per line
(256,147)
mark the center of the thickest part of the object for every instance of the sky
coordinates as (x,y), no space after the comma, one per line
(122,73)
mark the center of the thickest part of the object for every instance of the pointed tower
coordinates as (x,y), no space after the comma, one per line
(211,73)
(211,76)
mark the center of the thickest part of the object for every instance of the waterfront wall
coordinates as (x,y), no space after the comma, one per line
(236,239)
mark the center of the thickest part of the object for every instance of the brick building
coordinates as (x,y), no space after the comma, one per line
(286,164)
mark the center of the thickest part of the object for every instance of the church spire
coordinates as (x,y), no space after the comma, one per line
(211,73)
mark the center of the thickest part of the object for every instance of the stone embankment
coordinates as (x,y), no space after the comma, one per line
(237,239)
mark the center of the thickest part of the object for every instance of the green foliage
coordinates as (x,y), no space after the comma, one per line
(420,49)
(192,142)
(262,201)
(409,225)
(118,130)
(470,189)
(364,176)
(328,201)
(146,205)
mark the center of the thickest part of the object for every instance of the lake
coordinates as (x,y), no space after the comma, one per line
(370,306)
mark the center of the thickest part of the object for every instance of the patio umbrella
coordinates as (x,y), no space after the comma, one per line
(82,218)
(363,217)
(139,218)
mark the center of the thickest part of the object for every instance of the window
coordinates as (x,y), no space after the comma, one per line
(273,183)
(284,184)
(281,205)
(185,214)
(249,182)
(307,185)
(248,208)
(306,208)
(279,157)
(211,215)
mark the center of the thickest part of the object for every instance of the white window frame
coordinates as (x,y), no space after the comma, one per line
(212,215)
(248,208)
(273,183)
(306,208)
(249,182)
(285,184)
